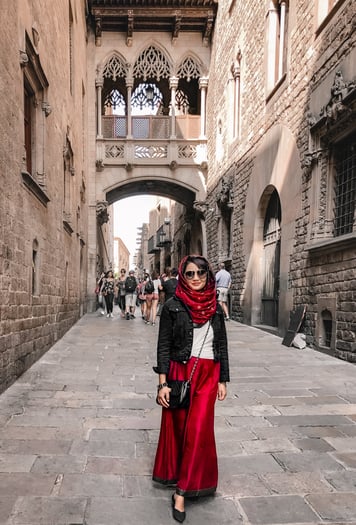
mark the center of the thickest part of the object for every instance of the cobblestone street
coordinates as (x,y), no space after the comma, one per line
(79,432)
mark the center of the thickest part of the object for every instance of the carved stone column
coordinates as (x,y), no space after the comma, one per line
(203,84)
(129,84)
(99,82)
(173,84)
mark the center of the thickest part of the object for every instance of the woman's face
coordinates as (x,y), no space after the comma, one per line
(195,276)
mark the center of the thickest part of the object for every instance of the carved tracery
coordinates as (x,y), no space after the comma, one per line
(151,63)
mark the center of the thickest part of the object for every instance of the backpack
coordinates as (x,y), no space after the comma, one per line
(149,286)
(130,284)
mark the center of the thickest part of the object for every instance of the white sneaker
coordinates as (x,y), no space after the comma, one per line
(107,315)
(111,315)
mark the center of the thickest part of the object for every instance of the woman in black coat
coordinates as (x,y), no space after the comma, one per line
(192,330)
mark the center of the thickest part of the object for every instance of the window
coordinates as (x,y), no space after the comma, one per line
(68,173)
(345,187)
(277,27)
(35,269)
(236,73)
(324,8)
(36,109)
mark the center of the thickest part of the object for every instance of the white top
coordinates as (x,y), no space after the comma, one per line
(156,283)
(198,338)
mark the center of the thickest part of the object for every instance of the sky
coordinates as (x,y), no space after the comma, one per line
(129,214)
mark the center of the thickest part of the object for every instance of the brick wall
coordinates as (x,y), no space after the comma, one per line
(31,323)
(312,60)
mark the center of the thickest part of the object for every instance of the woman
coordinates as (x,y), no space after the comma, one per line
(121,291)
(108,290)
(191,322)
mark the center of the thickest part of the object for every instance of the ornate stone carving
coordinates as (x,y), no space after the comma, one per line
(23,59)
(102,215)
(201,207)
(310,159)
(224,196)
(331,112)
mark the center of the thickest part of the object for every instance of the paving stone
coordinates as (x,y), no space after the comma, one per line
(342,481)
(268,445)
(34,446)
(317,444)
(62,464)
(307,462)
(48,511)
(347,459)
(296,483)
(25,484)
(16,463)
(340,506)
(243,485)
(277,509)
(99,485)
(342,444)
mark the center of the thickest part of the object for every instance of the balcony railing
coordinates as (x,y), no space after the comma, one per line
(151,141)
(151,127)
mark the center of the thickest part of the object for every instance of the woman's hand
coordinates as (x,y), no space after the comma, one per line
(163,396)
(222,391)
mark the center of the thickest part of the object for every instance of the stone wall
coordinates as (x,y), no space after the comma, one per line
(43,261)
(273,152)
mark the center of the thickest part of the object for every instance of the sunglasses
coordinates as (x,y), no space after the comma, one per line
(199,273)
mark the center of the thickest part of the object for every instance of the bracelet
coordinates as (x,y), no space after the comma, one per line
(162,385)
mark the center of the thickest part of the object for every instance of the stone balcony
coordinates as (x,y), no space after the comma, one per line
(151,140)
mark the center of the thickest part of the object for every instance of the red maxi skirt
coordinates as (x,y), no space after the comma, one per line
(186,452)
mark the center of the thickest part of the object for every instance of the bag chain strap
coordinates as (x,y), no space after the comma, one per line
(200,351)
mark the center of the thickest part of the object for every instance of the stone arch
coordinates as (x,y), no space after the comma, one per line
(276,167)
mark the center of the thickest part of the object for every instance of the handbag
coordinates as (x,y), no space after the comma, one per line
(179,396)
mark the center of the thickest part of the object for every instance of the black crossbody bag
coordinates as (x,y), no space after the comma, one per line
(179,396)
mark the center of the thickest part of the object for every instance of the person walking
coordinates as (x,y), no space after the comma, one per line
(169,285)
(108,290)
(223,283)
(131,284)
(192,333)
(121,291)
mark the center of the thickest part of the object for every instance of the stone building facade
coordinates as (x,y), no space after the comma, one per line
(43,178)
(282,164)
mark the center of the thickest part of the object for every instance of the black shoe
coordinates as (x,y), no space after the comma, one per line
(128,317)
(177,514)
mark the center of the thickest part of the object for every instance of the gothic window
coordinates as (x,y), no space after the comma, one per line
(187,94)
(345,187)
(182,102)
(115,101)
(115,68)
(114,74)
(151,64)
(35,84)
(147,99)
(188,69)
(277,27)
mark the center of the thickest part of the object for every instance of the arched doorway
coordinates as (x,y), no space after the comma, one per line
(271,262)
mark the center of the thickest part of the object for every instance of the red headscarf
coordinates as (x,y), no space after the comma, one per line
(201,303)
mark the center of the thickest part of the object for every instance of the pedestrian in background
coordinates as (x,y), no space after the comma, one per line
(121,291)
(108,290)
(223,283)
(131,284)
(192,323)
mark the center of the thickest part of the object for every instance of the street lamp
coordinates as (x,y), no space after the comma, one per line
(150,93)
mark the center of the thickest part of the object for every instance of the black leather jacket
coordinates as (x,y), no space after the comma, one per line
(175,337)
